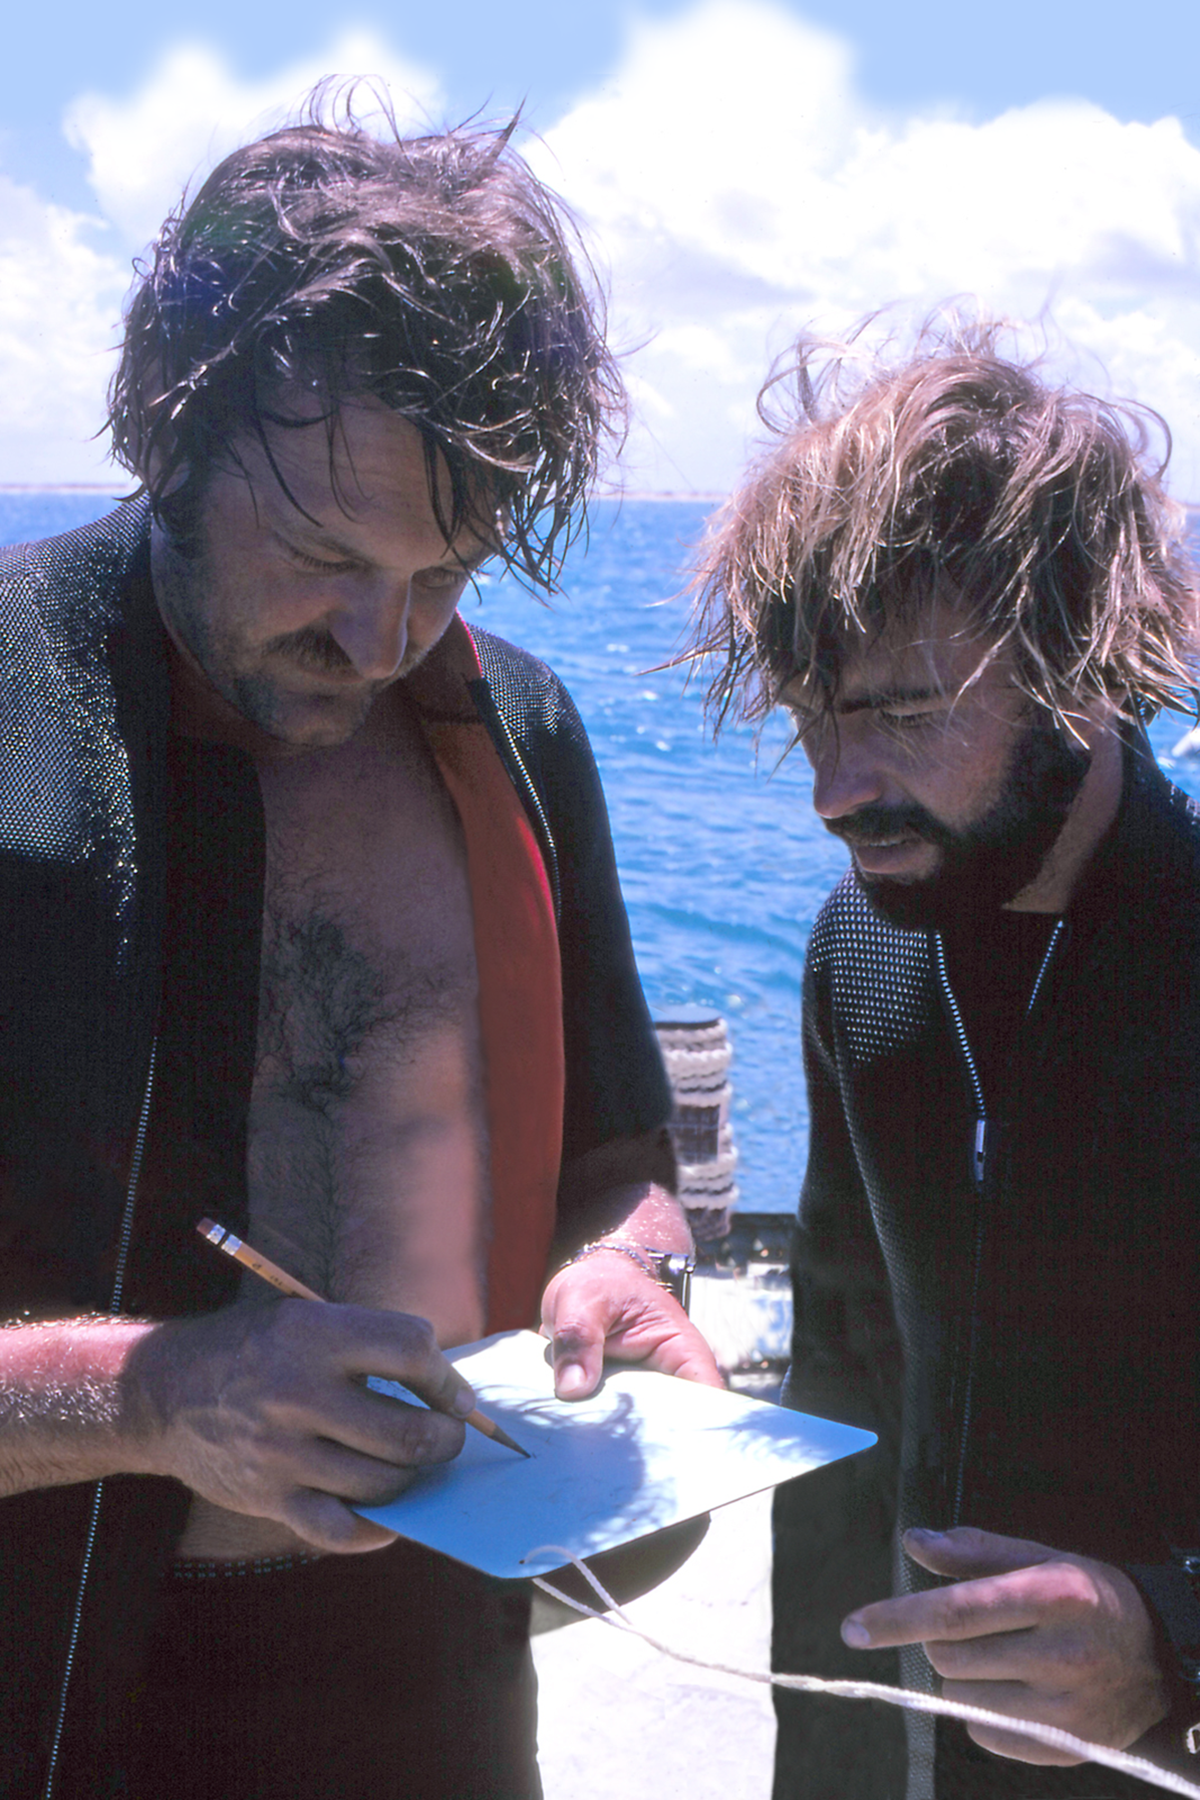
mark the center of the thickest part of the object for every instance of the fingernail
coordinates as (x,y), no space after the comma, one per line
(856,1635)
(571,1377)
(464,1402)
(924,1532)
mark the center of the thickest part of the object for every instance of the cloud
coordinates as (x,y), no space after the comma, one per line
(737,186)
(740,188)
(60,302)
(193,110)
(63,275)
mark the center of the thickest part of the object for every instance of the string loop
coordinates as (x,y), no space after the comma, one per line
(908,1698)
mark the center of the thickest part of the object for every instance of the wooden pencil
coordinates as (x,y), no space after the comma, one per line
(241,1252)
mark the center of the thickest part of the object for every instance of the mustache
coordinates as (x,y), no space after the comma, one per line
(874,821)
(311,648)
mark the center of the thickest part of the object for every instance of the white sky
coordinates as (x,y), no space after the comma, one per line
(742,172)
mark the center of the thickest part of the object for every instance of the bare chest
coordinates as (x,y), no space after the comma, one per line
(367,1142)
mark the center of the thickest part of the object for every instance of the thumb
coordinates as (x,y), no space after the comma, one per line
(328,1523)
(577,1337)
(966,1552)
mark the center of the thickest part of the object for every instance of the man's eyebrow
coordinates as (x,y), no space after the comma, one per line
(315,534)
(320,537)
(879,698)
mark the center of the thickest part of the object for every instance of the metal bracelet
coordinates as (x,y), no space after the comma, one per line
(643,1258)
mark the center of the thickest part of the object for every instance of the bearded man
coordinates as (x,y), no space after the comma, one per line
(967,586)
(312,925)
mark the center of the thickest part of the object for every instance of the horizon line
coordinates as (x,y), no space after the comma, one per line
(605,493)
(708,496)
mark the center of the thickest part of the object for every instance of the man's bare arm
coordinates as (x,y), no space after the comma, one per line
(65,1406)
(259,1408)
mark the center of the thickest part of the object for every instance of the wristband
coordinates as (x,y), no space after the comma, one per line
(1173,1591)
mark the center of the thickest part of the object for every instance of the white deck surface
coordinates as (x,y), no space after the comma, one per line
(618,1721)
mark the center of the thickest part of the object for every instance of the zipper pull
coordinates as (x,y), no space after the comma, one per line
(983,1132)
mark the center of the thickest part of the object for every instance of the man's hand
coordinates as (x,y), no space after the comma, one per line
(607,1306)
(1028,1631)
(262,1409)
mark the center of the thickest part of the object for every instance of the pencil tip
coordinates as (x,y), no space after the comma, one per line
(502,1437)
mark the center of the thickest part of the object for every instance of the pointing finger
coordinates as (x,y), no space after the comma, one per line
(966,1551)
(1013,1602)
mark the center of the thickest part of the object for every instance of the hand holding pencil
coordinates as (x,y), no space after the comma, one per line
(262,1411)
(287,1284)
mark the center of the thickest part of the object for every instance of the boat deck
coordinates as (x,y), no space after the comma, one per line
(619,1721)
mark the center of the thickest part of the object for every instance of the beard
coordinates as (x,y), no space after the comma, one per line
(986,864)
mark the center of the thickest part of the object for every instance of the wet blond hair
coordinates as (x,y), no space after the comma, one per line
(1040,507)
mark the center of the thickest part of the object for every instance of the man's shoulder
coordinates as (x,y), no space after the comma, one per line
(1152,862)
(867,965)
(529,695)
(1171,824)
(76,563)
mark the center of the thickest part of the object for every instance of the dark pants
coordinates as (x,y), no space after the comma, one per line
(374,1677)
(833,1552)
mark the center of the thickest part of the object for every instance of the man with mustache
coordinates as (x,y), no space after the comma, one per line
(969,589)
(312,925)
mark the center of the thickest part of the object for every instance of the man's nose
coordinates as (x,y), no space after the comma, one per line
(845,776)
(372,629)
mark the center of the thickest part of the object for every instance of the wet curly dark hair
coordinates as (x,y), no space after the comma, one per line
(435,274)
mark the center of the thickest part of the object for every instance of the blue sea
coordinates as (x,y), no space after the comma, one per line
(723,864)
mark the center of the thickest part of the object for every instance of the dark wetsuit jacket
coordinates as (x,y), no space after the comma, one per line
(96,800)
(1025,1345)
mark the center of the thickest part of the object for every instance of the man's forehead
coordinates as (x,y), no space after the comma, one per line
(347,451)
(937,648)
(322,476)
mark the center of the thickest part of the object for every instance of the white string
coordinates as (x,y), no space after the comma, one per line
(870,1690)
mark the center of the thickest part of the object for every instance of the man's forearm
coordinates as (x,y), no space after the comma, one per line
(625,1188)
(646,1214)
(68,1411)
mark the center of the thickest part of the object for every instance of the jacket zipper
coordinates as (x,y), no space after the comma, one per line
(981,1149)
(522,780)
(114,1307)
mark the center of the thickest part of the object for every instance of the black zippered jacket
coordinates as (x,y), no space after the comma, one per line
(88,776)
(1034,1342)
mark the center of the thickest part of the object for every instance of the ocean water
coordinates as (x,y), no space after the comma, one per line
(723,864)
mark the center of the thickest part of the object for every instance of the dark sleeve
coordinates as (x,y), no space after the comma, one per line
(616,1085)
(1169,1590)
